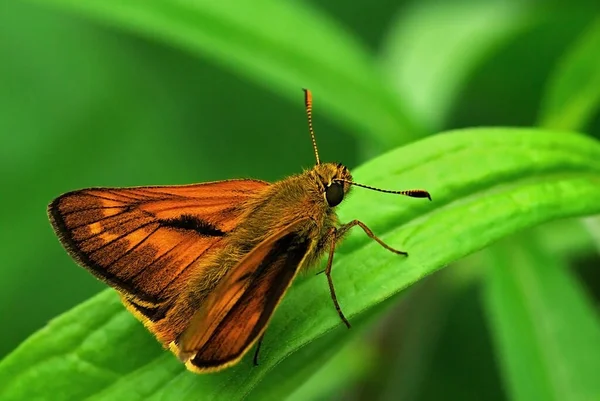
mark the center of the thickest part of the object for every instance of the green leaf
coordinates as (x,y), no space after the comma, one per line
(432,48)
(573,94)
(345,368)
(545,326)
(283,45)
(593,228)
(412,338)
(485,183)
(568,238)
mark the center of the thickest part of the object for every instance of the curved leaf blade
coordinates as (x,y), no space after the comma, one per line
(432,47)
(282,45)
(486,184)
(573,95)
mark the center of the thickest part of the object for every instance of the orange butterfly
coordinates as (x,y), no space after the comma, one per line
(204,266)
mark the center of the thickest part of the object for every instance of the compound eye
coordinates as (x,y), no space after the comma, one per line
(334,194)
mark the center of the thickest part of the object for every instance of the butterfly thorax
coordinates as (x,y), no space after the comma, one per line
(294,198)
(279,205)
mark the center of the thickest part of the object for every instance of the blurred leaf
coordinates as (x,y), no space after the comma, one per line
(568,238)
(345,368)
(573,94)
(546,329)
(502,180)
(507,86)
(409,338)
(432,48)
(593,228)
(463,366)
(284,45)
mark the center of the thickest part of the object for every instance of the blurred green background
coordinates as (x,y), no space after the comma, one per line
(89,98)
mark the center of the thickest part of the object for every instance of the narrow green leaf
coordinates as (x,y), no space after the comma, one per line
(485,183)
(432,48)
(337,375)
(283,45)
(412,336)
(593,228)
(546,329)
(573,94)
(569,238)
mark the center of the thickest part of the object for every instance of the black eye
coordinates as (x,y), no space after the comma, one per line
(334,194)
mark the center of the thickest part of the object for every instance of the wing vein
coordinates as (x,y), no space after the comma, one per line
(92,208)
(184,206)
(126,220)
(180,273)
(154,261)
(135,246)
(128,196)
(167,195)
(119,237)
(99,220)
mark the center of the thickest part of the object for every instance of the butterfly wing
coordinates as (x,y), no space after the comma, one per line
(238,310)
(145,240)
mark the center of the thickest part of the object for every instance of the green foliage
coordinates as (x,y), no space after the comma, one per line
(425,56)
(279,44)
(165,92)
(529,177)
(545,325)
(574,93)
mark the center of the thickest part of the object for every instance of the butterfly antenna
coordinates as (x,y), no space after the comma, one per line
(414,193)
(308,105)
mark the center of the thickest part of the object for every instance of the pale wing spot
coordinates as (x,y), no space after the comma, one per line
(95,228)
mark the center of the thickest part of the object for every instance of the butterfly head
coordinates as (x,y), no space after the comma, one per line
(334,181)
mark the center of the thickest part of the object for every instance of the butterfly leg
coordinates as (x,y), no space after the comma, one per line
(346,227)
(335,234)
(333,238)
(258,344)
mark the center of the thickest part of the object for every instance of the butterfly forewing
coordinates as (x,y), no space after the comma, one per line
(145,241)
(239,308)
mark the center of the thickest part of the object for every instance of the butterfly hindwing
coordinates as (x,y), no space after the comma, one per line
(240,307)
